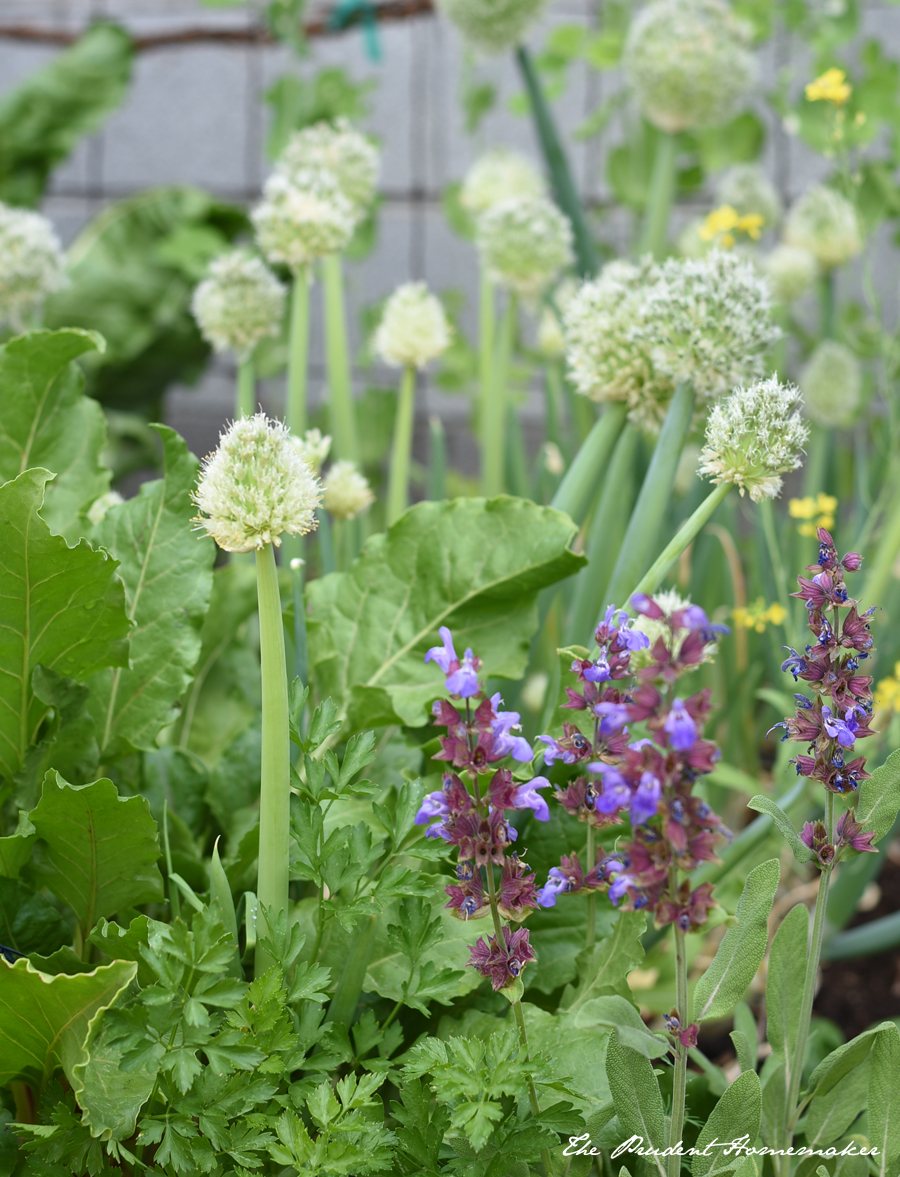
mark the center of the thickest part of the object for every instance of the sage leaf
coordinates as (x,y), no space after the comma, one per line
(884,1100)
(843,1060)
(736,1115)
(474,565)
(638,1101)
(167,571)
(830,1115)
(46,421)
(784,985)
(763,804)
(100,850)
(63,609)
(879,798)
(44,1020)
(617,1013)
(739,955)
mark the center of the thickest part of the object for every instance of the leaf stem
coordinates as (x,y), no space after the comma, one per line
(275,782)
(245,402)
(343,418)
(298,354)
(684,536)
(398,476)
(655,227)
(494,433)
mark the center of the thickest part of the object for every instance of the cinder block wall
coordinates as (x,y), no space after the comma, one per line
(195,115)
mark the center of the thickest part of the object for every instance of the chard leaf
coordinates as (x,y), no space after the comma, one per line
(45,420)
(474,565)
(44,1020)
(63,609)
(167,571)
(99,850)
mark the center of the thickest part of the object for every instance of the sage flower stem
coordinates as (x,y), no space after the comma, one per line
(584,476)
(655,228)
(398,479)
(275,785)
(644,524)
(494,447)
(809,993)
(682,1001)
(592,895)
(685,535)
(298,354)
(245,402)
(343,419)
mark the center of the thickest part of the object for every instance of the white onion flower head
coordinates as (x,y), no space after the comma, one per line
(492,26)
(790,270)
(255,487)
(413,328)
(347,491)
(831,382)
(753,437)
(313,448)
(302,218)
(689,63)
(499,174)
(524,243)
(340,149)
(748,190)
(825,223)
(606,355)
(32,266)
(670,601)
(239,303)
(709,320)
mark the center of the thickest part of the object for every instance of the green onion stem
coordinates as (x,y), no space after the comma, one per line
(398,476)
(343,418)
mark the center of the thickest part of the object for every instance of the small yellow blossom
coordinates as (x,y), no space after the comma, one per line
(817,512)
(832,87)
(723,222)
(887,693)
(758,615)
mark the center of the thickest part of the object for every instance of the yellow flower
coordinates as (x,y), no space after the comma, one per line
(758,615)
(723,222)
(887,693)
(818,512)
(832,87)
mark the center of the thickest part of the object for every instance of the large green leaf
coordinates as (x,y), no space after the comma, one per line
(167,570)
(42,119)
(63,608)
(884,1102)
(784,983)
(44,1019)
(15,850)
(132,271)
(28,920)
(99,850)
(46,421)
(474,565)
(739,955)
(735,1115)
(109,1096)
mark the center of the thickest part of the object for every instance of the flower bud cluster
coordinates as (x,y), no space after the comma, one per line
(524,242)
(313,448)
(832,384)
(634,333)
(838,714)
(340,150)
(499,174)
(824,223)
(647,779)
(32,266)
(492,26)
(473,817)
(255,487)
(753,437)
(239,303)
(791,271)
(413,328)
(689,63)
(346,490)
